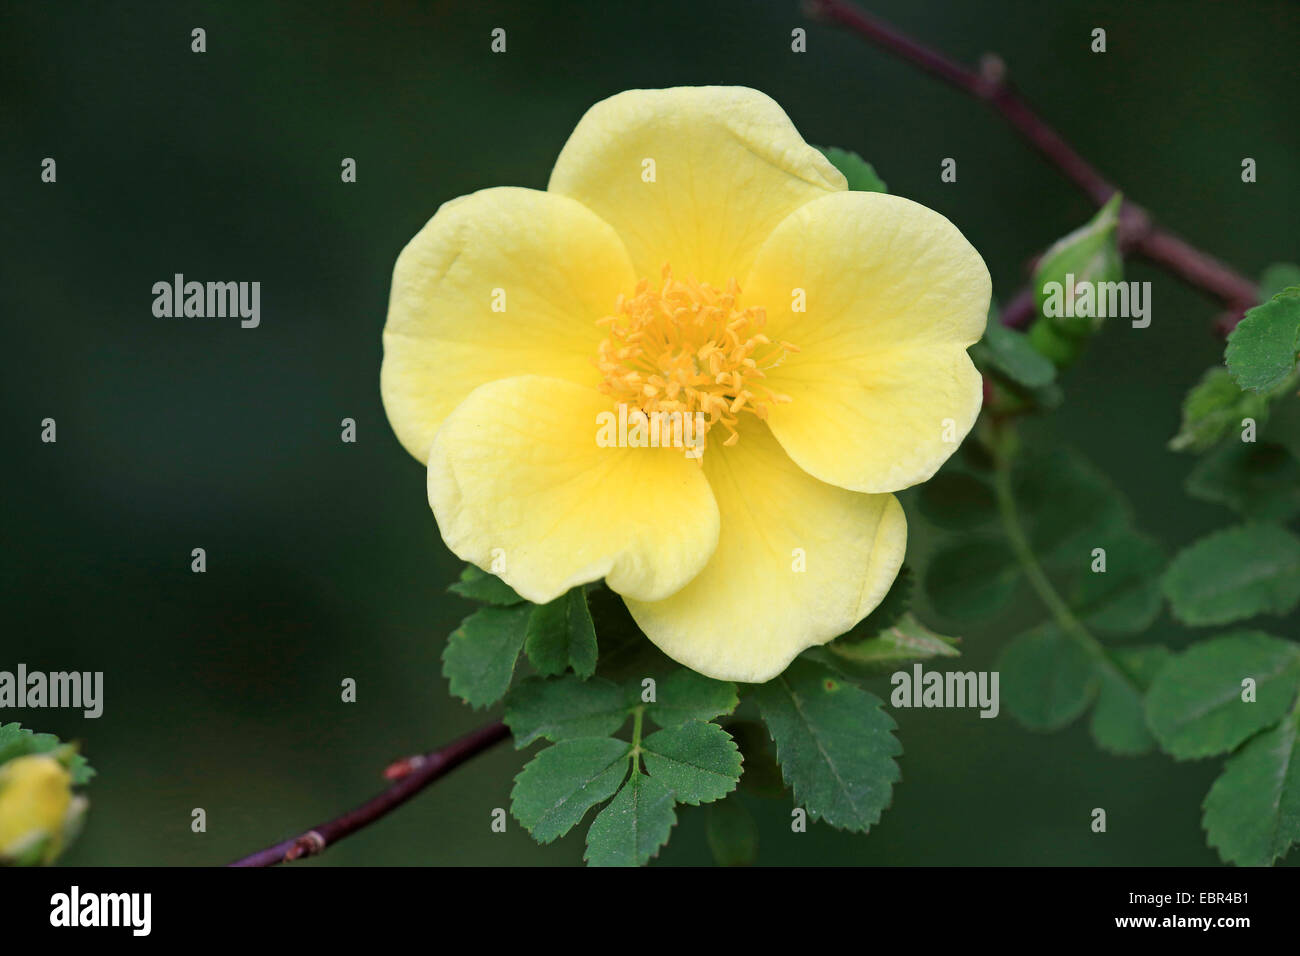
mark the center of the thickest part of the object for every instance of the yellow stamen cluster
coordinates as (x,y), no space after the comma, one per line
(688,348)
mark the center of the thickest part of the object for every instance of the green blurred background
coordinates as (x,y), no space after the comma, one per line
(324,562)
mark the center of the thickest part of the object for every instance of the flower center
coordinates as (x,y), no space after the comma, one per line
(688,348)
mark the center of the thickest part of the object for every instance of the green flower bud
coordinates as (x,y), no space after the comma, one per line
(1048,340)
(1067,278)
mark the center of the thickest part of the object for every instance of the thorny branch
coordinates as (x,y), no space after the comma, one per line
(410,775)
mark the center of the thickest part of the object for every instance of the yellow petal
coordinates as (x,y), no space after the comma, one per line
(728,165)
(882,389)
(749,612)
(554,266)
(520,487)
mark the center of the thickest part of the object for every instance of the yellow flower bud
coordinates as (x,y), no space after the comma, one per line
(35,799)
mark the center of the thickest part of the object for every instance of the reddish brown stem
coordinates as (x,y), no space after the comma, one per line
(418,773)
(989,84)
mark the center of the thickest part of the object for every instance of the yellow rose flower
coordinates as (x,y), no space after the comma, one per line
(35,799)
(691,254)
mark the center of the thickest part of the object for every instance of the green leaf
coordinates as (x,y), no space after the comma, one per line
(633,826)
(480,657)
(698,761)
(732,833)
(559,785)
(860,173)
(1010,354)
(15,740)
(560,635)
(834,742)
(1195,706)
(905,640)
(1126,597)
(1091,255)
(1261,352)
(1258,480)
(683,695)
(1215,406)
(1118,722)
(1252,813)
(1048,678)
(477,585)
(1234,574)
(18,741)
(564,708)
